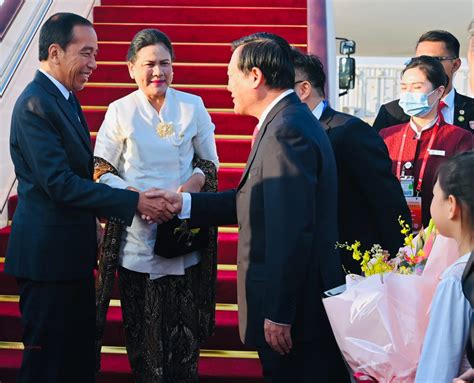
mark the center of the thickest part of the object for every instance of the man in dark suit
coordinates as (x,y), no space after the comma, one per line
(370,196)
(286,209)
(458,109)
(52,247)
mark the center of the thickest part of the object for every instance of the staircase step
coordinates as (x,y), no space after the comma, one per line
(228,149)
(197,53)
(226,246)
(225,122)
(184,52)
(4,235)
(228,3)
(229,178)
(116,368)
(186,73)
(199,32)
(103,94)
(8,284)
(226,291)
(198,15)
(226,335)
(12,204)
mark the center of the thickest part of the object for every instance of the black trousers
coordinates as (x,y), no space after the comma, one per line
(58,321)
(307,362)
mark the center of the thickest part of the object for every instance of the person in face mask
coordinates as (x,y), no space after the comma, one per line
(418,147)
(458,109)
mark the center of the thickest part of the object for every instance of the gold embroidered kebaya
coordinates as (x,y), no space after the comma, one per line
(165,129)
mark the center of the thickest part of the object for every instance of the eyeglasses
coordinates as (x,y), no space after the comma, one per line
(299,81)
(439,58)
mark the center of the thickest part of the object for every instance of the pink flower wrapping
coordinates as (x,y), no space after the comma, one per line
(380,321)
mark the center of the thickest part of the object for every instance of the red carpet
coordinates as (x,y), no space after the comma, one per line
(201,31)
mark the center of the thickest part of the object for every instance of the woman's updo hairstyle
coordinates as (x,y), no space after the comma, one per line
(147,37)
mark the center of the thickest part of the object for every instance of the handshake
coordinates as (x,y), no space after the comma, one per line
(159,205)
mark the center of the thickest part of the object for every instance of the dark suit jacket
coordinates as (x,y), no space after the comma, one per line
(392,114)
(53,235)
(370,196)
(285,206)
(468,289)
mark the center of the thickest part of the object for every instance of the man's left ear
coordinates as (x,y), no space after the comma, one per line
(456,65)
(257,77)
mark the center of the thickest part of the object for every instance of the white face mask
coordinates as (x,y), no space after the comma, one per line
(416,104)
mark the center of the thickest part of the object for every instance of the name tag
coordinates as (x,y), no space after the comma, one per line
(407,186)
(414,204)
(434,152)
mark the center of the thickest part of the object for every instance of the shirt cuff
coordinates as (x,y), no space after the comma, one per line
(186,208)
(279,324)
(198,171)
(113,181)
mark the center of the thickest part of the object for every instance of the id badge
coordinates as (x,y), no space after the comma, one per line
(408,183)
(414,204)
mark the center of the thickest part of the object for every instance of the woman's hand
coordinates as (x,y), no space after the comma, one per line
(193,185)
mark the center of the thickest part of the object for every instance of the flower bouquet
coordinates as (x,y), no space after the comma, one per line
(380,320)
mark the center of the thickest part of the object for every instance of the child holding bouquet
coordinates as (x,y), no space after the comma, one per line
(443,355)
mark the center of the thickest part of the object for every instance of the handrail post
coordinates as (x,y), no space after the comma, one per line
(317,33)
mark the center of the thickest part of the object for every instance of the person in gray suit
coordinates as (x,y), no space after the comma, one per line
(286,209)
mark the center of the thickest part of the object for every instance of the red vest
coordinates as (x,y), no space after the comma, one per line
(450,139)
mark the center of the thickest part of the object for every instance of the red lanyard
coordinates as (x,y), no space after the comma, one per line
(425,157)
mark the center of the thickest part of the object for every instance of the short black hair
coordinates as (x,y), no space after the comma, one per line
(432,68)
(58,29)
(451,42)
(271,54)
(147,37)
(312,67)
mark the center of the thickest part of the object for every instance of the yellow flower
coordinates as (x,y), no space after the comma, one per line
(404,270)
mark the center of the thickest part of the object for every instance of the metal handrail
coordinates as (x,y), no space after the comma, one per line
(8,196)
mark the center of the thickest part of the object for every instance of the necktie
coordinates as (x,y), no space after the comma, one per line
(73,103)
(255,134)
(441,105)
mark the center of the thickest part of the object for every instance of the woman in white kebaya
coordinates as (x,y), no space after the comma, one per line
(148,140)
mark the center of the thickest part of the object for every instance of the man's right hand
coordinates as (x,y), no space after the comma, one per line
(155,208)
(173,198)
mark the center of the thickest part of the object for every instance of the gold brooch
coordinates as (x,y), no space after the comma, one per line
(165,129)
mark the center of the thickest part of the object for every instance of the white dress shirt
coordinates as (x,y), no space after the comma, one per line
(318,110)
(60,86)
(129,140)
(443,356)
(448,110)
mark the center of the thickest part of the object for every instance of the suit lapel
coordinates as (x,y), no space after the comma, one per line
(459,117)
(72,117)
(67,110)
(284,102)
